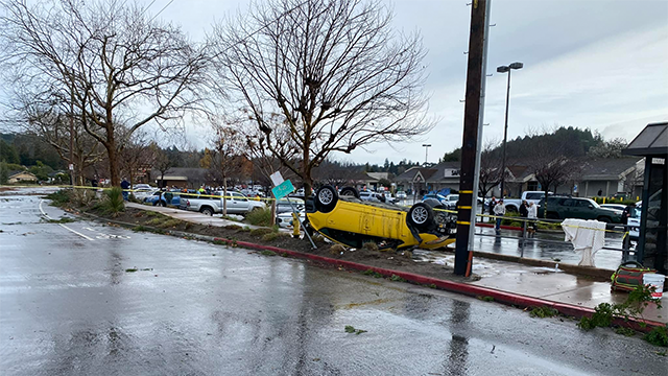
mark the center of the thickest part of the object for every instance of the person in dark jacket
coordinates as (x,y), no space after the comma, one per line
(492,204)
(125,186)
(524,209)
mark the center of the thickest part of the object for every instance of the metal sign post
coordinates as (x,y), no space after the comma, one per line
(282,189)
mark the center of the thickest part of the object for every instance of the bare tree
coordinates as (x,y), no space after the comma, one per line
(226,158)
(48,117)
(335,72)
(490,170)
(120,65)
(162,164)
(137,156)
(551,171)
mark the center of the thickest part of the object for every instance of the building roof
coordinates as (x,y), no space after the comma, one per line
(183,173)
(653,140)
(606,168)
(416,172)
(13,174)
(378,175)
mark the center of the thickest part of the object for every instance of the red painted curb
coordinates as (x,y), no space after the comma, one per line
(500,296)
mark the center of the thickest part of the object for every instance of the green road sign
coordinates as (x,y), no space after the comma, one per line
(283,189)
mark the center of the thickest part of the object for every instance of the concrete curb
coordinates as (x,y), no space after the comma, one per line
(508,298)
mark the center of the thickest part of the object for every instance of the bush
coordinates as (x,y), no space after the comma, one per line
(259,217)
(113,204)
(60,197)
(658,336)
(83,197)
(506,221)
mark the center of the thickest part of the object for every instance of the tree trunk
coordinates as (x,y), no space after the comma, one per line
(273,213)
(114,173)
(224,196)
(306,174)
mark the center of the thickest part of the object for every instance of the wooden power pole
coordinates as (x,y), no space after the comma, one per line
(472,112)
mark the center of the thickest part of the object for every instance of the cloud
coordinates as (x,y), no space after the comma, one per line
(601,65)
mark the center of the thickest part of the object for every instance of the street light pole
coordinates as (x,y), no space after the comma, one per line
(426,152)
(506,69)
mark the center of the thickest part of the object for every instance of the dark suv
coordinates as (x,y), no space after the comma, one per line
(561,207)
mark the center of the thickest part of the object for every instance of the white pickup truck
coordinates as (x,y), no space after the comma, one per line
(513,204)
(237,203)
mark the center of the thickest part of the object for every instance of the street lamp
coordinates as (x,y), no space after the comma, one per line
(426,151)
(504,69)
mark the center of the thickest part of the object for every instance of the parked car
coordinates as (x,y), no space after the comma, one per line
(159,198)
(283,206)
(401,195)
(513,204)
(142,193)
(351,221)
(372,196)
(237,203)
(561,207)
(284,220)
(442,199)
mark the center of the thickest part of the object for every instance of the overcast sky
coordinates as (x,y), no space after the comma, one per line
(592,64)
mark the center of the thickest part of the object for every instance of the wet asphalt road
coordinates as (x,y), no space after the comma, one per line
(68,306)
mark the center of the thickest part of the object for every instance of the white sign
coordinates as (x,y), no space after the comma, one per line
(71,167)
(277,178)
(450,172)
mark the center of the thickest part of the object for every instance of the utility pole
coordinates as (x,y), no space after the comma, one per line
(467,192)
(481,124)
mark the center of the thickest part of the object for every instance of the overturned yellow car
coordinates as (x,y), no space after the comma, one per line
(346,219)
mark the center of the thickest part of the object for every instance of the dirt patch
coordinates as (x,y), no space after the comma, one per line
(398,260)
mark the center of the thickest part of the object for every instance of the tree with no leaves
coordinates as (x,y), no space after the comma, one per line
(334,71)
(551,167)
(49,118)
(226,158)
(120,65)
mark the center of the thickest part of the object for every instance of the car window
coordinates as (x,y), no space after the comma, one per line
(534,196)
(239,197)
(567,202)
(583,203)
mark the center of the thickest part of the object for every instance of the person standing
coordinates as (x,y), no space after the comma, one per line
(523,214)
(532,215)
(499,211)
(492,204)
(125,186)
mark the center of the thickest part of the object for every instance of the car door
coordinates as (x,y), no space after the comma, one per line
(584,209)
(240,203)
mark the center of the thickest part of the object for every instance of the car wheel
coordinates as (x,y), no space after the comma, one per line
(206,211)
(421,216)
(349,191)
(163,204)
(326,198)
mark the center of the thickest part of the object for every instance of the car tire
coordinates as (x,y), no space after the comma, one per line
(349,191)
(420,216)
(326,199)
(206,210)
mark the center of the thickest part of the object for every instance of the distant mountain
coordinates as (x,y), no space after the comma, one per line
(570,142)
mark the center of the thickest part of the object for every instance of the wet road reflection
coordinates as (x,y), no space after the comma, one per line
(69,306)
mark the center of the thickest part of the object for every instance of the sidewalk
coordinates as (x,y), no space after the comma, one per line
(189,216)
(547,284)
(543,283)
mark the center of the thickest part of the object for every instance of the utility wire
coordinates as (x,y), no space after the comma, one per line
(161,10)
